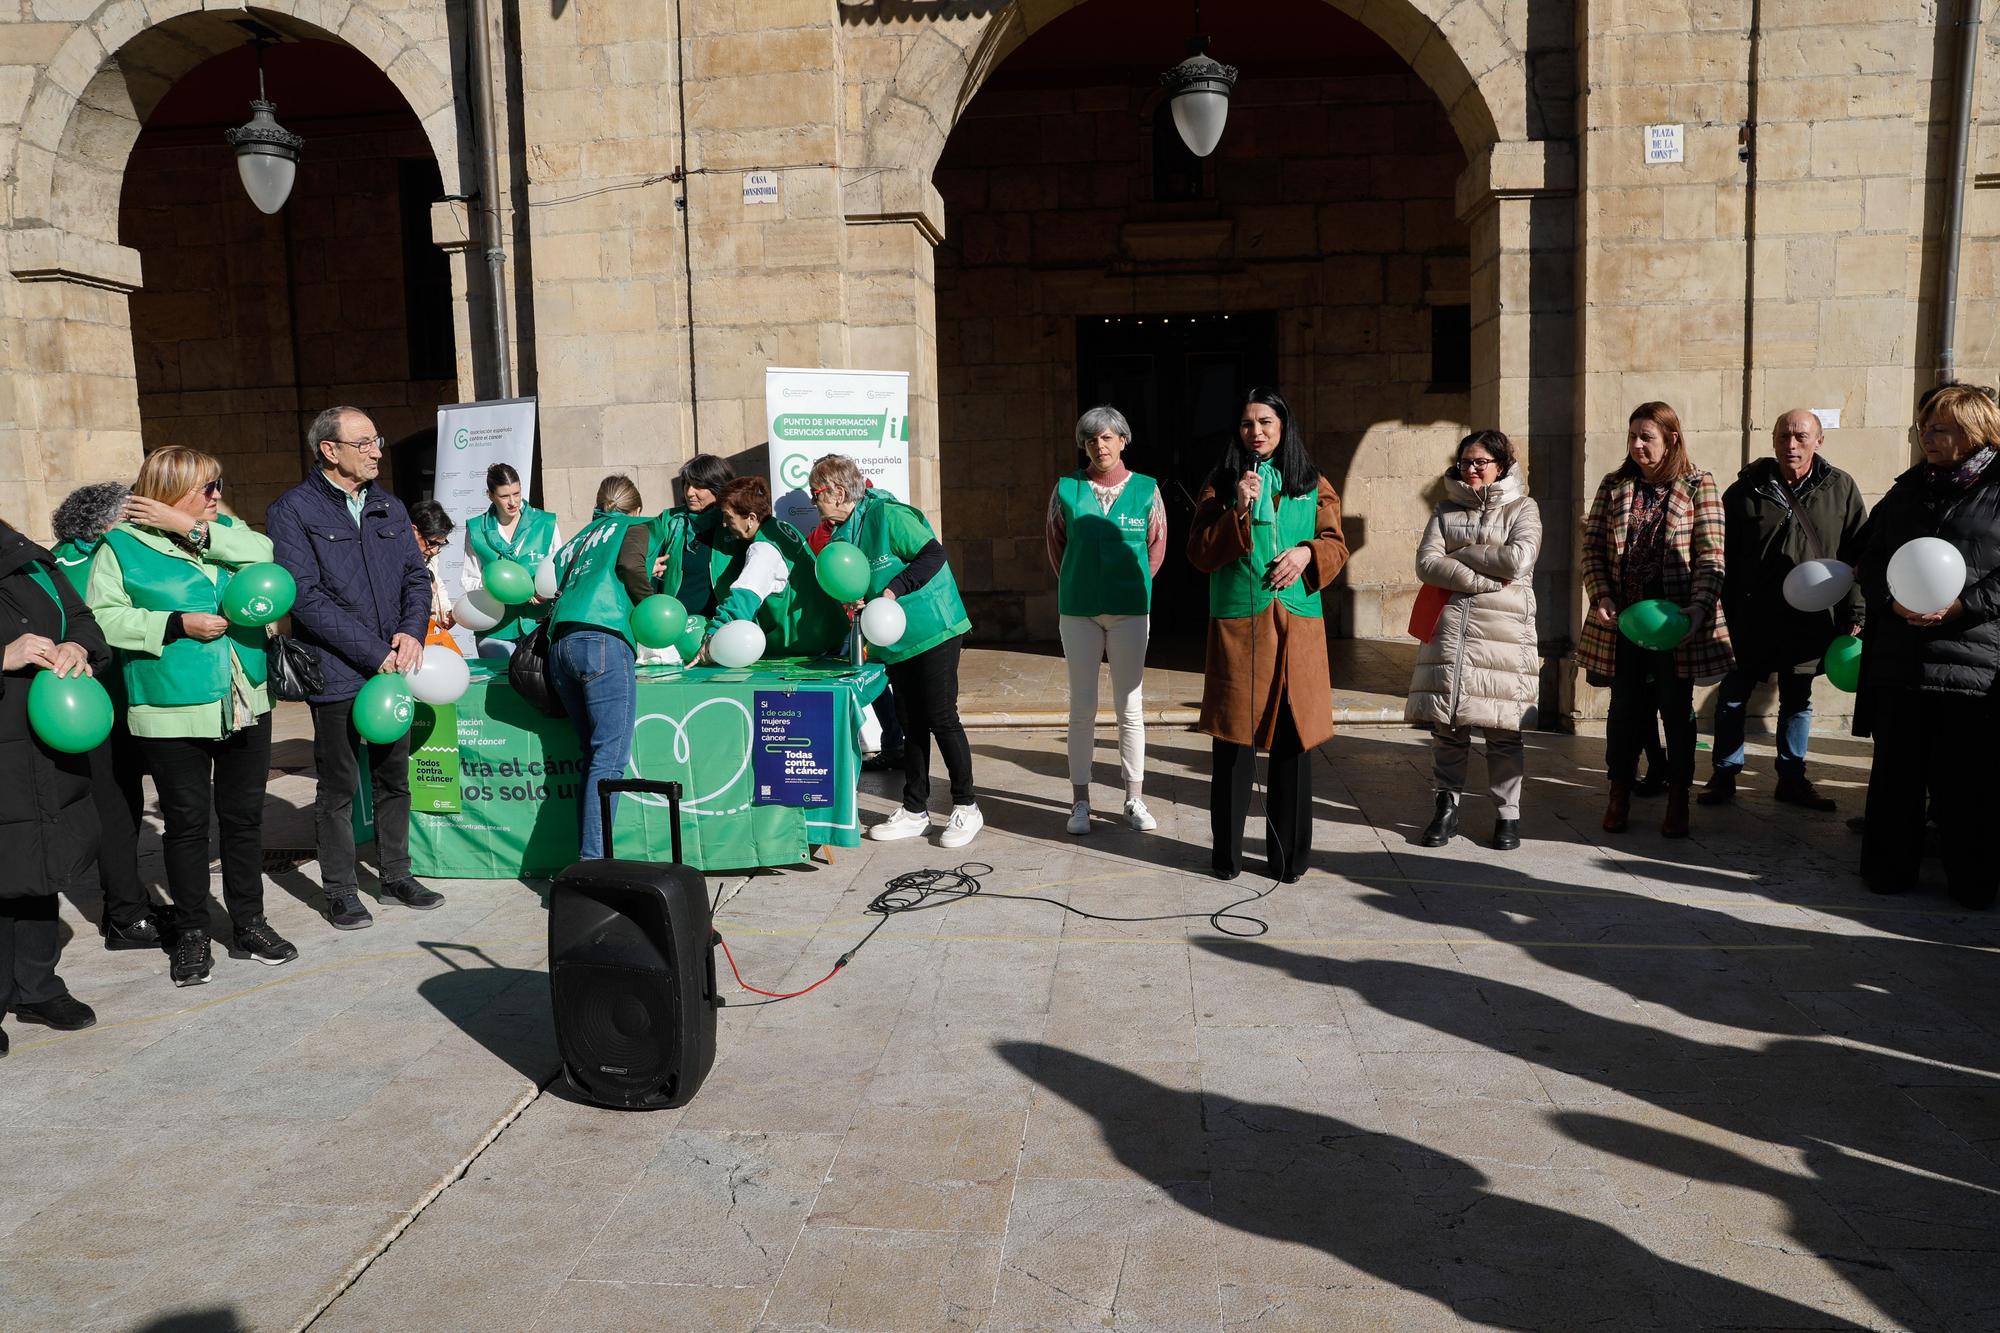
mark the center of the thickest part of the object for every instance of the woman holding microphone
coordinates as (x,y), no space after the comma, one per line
(1107,534)
(200,712)
(1266,531)
(510,529)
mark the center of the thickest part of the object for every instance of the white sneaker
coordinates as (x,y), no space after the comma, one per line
(902,824)
(1139,817)
(1079,818)
(966,821)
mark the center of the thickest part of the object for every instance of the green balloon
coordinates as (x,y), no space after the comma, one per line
(689,643)
(259,594)
(843,572)
(658,621)
(509,582)
(1843,663)
(1656,624)
(71,714)
(384,709)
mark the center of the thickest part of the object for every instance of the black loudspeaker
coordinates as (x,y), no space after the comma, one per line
(632,972)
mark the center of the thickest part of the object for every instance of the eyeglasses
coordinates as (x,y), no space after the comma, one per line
(373,444)
(432,545)
(213,490)
(1475,464)
(818,491)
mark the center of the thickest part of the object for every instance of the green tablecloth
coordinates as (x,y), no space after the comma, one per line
(519,772)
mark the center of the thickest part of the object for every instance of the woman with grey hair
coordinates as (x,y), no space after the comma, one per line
(1107,534)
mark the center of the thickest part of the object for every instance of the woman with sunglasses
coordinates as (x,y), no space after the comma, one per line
(510,529)
(1482,667)
(432,526)
(200,710)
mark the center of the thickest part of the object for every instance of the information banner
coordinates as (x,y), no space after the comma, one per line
(864,414)
(472,437)
(434,760)
(793,764)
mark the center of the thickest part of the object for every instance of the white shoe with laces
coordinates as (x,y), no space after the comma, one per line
(1079,818)
(1139,817)
(966,821)
(902,824)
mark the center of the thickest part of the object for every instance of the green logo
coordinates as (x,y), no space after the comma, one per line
(795,471)
(461,439)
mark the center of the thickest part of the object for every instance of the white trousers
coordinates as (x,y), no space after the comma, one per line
(1087,641)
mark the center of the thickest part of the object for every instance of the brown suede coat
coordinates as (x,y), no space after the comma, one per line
(1274,659)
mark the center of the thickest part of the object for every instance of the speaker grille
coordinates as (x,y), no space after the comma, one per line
(620,1024)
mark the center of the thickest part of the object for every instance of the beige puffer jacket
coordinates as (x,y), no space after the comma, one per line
(1481,668)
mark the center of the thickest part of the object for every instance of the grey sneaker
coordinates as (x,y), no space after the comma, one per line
(411,894)
(345,912)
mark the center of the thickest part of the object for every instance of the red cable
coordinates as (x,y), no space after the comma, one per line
(776,995)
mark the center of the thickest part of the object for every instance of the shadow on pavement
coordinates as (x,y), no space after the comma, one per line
(505,1009)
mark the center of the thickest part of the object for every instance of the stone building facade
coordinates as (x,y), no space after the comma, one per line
(1425,215)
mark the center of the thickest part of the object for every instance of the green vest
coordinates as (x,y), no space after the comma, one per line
(587,568)
(934,612)
(75,559)
(187,671)
(534,534)
(799,620)
(697,562)
(1106,568)
(1278,522)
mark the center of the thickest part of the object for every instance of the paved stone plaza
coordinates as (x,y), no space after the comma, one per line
(1621,1083)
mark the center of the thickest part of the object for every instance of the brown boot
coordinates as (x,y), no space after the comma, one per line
(1618,809)
(1675,824)
(1800,791)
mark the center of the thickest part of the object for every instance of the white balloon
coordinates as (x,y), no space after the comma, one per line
(1818,585)
(1926,575)
(545,580)
(883,622)
(737,644)
(479,611)
(441,677)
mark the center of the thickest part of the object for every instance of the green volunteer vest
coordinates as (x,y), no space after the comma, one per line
(697,563)
(591,594)
(1276,524)
(934,612)
(187,671)
(75,559)
(1105,569)
(799,620)
(534,534)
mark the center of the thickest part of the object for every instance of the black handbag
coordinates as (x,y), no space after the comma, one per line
(528,672)
(293,669)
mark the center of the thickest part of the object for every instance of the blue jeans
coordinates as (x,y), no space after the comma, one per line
(593,675)
(1794,720)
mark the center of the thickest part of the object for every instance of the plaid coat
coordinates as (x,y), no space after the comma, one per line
(1692,572)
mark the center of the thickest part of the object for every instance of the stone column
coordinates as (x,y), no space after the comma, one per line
(894,221)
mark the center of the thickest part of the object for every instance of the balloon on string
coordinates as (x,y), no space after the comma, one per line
(1818,585)
(883,622)
(478,611)
(737,644)
(69,713)
(1843,663)
(441,678)
(843,572)
(659,621)
(689,643)
(384,708)
(545,580)
(259,594)
(1926,575)
(1655,624)
(509,583)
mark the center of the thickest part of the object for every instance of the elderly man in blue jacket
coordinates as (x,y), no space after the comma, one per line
(364,598)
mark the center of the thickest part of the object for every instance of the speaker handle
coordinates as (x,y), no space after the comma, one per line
(670,790)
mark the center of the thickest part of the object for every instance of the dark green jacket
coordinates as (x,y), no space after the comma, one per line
(1764,539)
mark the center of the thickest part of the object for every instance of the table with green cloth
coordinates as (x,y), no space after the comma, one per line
(502,803)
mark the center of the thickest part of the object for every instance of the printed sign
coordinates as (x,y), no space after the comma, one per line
(434,760)
(471,438)
(864,414)
(1663,144)
(760,187)
(793,763)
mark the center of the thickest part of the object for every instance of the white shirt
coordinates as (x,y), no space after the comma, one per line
(469,575)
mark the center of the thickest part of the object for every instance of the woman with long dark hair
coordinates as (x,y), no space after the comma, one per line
(1266,531)
(510,529)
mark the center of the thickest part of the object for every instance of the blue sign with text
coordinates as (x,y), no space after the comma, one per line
(792,748)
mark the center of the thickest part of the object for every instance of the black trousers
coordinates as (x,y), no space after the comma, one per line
(892,726)
(337,756)
(115,770)
(926,688)
(1940,746)
(1644,689)
(30,943)
(225,777)
(1287,801)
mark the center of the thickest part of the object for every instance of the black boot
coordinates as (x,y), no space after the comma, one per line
(1506,834)
(1444,824)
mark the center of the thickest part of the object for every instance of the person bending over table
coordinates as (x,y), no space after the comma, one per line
(510,529)
(906,563)
(772,577)
(602,573)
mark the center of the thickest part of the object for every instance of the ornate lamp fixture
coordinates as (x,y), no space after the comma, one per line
(267,154)
(1198,89)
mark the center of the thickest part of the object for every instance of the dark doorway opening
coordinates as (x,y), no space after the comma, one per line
(1180,380)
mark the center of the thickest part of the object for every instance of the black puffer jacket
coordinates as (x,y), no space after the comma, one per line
(1765,540)
(48,824)
(1961,656)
